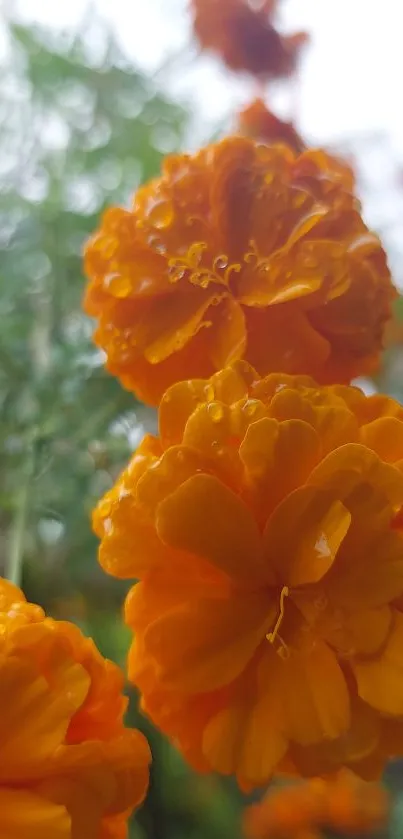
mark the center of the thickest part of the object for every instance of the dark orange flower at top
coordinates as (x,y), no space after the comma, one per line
(245,38)
(264,527)
(69,769)
(242,251)
(345,805)
(258,122)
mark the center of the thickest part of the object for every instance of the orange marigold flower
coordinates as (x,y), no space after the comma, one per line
(258,122)
(245,37)
(262,526)
(242,251)
(345,805)
(69,767)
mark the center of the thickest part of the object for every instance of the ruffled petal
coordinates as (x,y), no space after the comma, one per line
(312,690)
(35,717)
(304,534)
(205,644)
(380,679)
(205,518)
(26,815)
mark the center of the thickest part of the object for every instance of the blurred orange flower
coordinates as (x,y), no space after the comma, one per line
(245,38)
(345,805)
(69,768)
(242,251)
(264,638)
(258,122)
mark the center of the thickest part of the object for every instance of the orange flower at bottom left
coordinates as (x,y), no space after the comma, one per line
(68,767)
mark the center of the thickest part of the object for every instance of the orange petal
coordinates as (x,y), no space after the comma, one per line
(205,518)
(278,457)
(352,464)
(369,571)
(248,742)
(34,717)
(359,633)
(227,337)
(317,699)
(294,344)
(26,815)
(313,691)
(304,534)
(205,644)
(380,680)
(333,422)
(385,437)
(165,324)
(129,554)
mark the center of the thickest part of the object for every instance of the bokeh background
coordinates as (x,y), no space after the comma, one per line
(92,96)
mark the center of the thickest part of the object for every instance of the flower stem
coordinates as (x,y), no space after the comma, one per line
(16,553)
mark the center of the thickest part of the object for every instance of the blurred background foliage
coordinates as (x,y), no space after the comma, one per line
(80,129)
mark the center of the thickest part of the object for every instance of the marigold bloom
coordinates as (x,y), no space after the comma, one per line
(242,251)
(245,37)
(345,805)
(258,122)
(69,768)
(264,524)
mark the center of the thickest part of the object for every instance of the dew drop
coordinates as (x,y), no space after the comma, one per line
(118,286)
(221,262)
(161,215)
(176,273)
(216,411)
(209,393)
(250,407)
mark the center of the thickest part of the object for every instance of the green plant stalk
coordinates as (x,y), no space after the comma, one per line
(17,537)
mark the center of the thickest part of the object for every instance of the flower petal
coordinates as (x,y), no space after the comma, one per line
(380,680)
(246,740)
(278,457)
(314,693)
(205,518)
(353,464)
(205,644)
(26,815)
(34,717)
(385,437)
(304,534)
(227,337)
(164,325)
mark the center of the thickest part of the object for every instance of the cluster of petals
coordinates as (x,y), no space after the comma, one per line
(344,805)
(69,768)
(245,38)
(260,123)
(242,251)
(264,526)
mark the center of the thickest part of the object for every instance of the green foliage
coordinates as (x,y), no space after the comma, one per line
(80,130)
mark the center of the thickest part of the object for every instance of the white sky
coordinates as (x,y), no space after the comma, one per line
(350,78)
(349,82)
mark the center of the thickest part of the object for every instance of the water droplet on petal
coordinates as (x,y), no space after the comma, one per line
(161,214)
(209,393)
(117,285)
(251,407)
(221,262)
(216,411)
